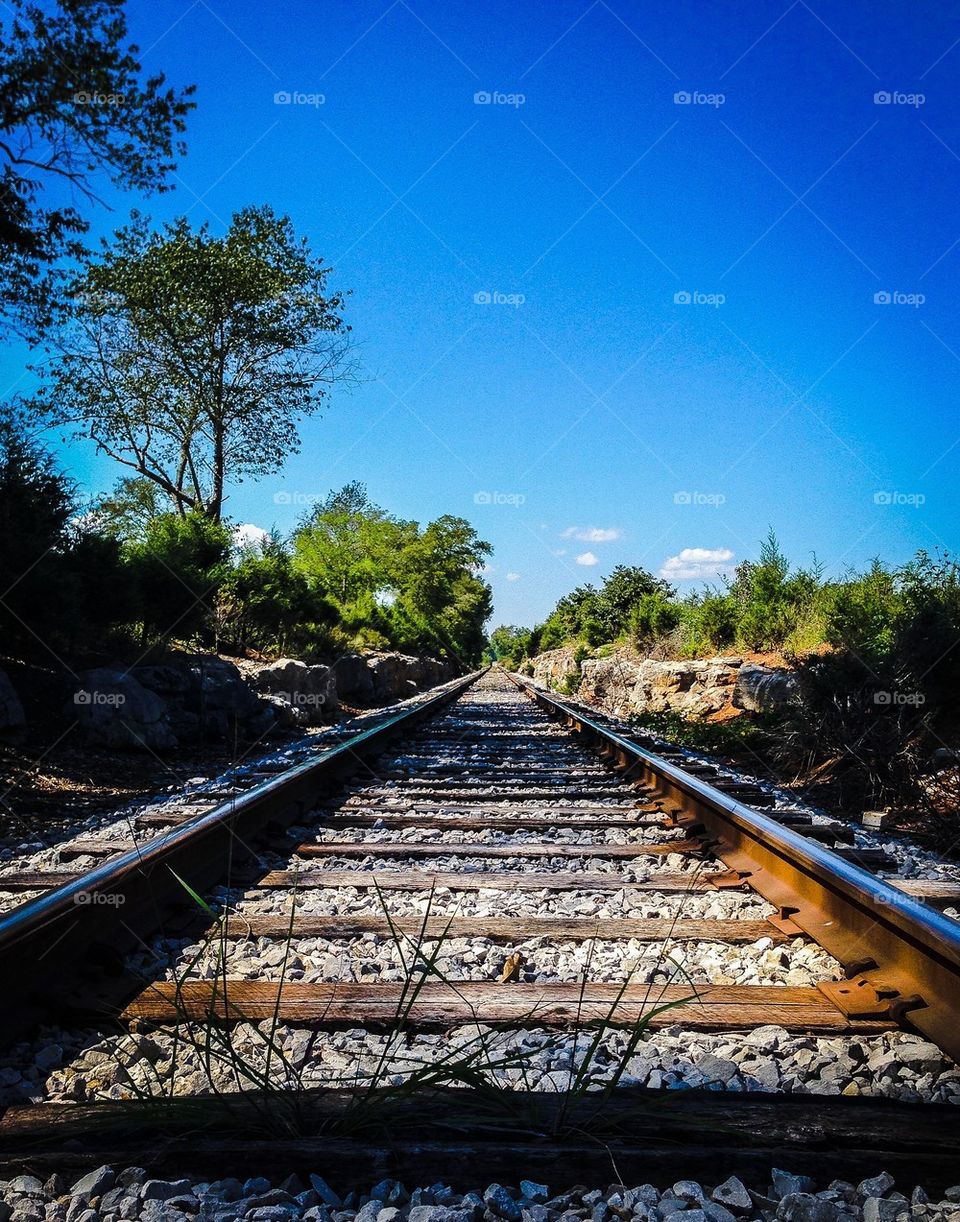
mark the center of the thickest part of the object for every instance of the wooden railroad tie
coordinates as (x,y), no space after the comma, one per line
(507,929)
(439,1006)
(523,851)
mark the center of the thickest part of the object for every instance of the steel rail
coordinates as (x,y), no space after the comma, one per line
(73,936)
(901,957)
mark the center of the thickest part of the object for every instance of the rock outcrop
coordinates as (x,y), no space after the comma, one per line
(12,717)
(555,667)
(761,689)
(303,695)
(622,685)
(113,709)
(192,699)
(383,677)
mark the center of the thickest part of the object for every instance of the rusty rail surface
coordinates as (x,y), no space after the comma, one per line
(71,940)
(902,958)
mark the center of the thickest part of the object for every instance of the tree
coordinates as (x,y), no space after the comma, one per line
(652,616)
(190,359)
(36,504)
(350,548)
(61,583)
(73,105)
(621,592)
(176,571)
(760,588)
(509,644)
(126,512)
(392,582)
(265,603)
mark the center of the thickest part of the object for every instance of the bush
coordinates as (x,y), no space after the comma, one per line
(653,616)
(265,604)
(63,587)
(177,571)
(857,724)
(36,503)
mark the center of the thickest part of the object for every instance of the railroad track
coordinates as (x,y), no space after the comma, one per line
(489,859)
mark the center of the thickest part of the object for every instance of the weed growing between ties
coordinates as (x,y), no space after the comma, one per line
(256,1082)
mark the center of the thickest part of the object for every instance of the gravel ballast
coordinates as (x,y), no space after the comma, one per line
(107,1194)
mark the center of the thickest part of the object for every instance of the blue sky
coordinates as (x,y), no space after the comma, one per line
(615,267)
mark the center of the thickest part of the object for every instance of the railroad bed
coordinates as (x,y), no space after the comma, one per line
(465,906)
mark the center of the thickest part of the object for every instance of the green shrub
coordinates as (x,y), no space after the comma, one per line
(653,616)
(176,572)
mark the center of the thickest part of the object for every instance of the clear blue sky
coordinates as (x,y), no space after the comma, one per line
(602,418)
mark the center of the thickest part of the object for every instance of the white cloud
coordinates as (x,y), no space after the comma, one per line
(592,534)
(696,562)
(558,551)
(513,577)
(245,534)
(587,559)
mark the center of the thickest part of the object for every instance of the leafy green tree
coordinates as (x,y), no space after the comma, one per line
(622,592)
(74,109)
(350,547)
(36,504)
(509,644)
(574,617)
(177,570)
(264,603)
(392,582)
(767,608)
(189,358)
(653,615)
(62,585)
(715,616)
(96,601)
(862,612)
(126,512)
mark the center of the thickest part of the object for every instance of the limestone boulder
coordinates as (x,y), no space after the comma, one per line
(113,709)
(353,679)
(309,690)
(554,667)
(761,689)
(207,697)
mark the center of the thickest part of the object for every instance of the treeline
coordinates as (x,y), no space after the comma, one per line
(124,575)
(766,606)
(876,655)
